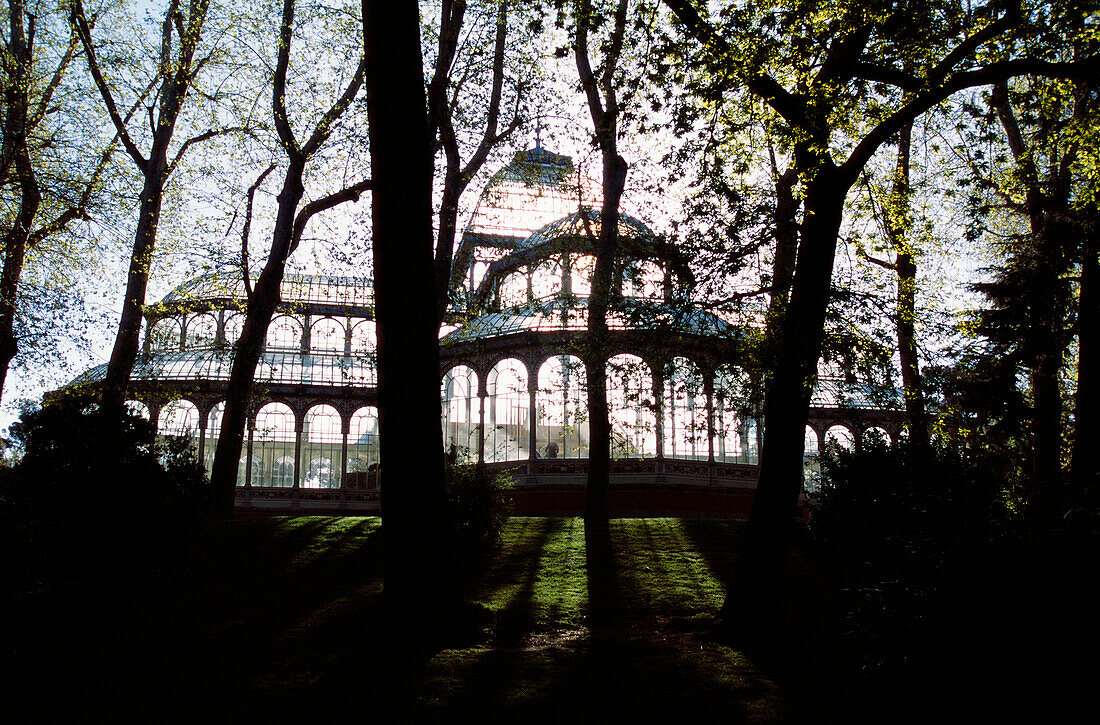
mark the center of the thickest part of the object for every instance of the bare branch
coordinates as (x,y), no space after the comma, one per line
(245,275)
(212,133)
(351,193)
(80,22)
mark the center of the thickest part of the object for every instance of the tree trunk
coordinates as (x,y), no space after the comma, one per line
(421,591)
(1085,464)
(898,227)
(265,298)
(30,198)
(15,248)
(128,337)
(752,610)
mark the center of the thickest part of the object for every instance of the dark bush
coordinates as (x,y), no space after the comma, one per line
(95,498)
(951,591)
(478,504)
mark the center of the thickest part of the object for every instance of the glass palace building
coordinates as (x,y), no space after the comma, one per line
(512,381)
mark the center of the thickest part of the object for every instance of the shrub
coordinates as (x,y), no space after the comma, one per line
(95,498)
(478,504)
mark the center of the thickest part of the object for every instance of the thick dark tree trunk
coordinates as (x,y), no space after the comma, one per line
(421,591)
(753,607)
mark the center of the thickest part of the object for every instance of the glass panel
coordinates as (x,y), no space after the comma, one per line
(363,450)
(735,430)
(561,405)
(507,436)
(322,445)
(460,414)
(326,335)
(273,443)
(685,411)
(631,407)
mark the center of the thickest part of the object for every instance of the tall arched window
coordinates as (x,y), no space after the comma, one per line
(138,408)
(876,434)
(631,407)
(685,411)
(213,431)
(322,444)
(364,343)
(811,462)
(202,330)
(644,279)
(179,418)
(460,412)
(273,443)
(841,437)
(580,274)
(233,325)
(165,335)
(735,431)
(562,409)
(513,290)
(507,436)
(546,279)
(326,335)
(363,449)
(284,333)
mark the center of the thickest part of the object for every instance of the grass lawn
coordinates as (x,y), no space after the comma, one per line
(273,619)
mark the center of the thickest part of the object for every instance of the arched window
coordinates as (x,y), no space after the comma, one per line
(138,408)
(644,280)
(234,325)
(363,449)
(201,331)
(513,290)
(165,335)
(562,409)
(876,434)
(546,279)
(631,407)
(321,474)
(840,437)
(364,343)
(179,418)
(685,411)
(507,436)
(322,440)
(273,442)
(213,430)
(811,462)
(257,471)
(735,429)
(284,333)
(580,274)
(460,412)
(326,335)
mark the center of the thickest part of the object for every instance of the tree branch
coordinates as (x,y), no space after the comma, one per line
(246,276)
(80,23)
(212,133)
(351,193)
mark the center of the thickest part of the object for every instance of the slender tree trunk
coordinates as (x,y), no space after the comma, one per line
(30,198)
(898,227)
(753,607)
(266,295)
(1085,464)
(15,247)
(421,591)
(128,337)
